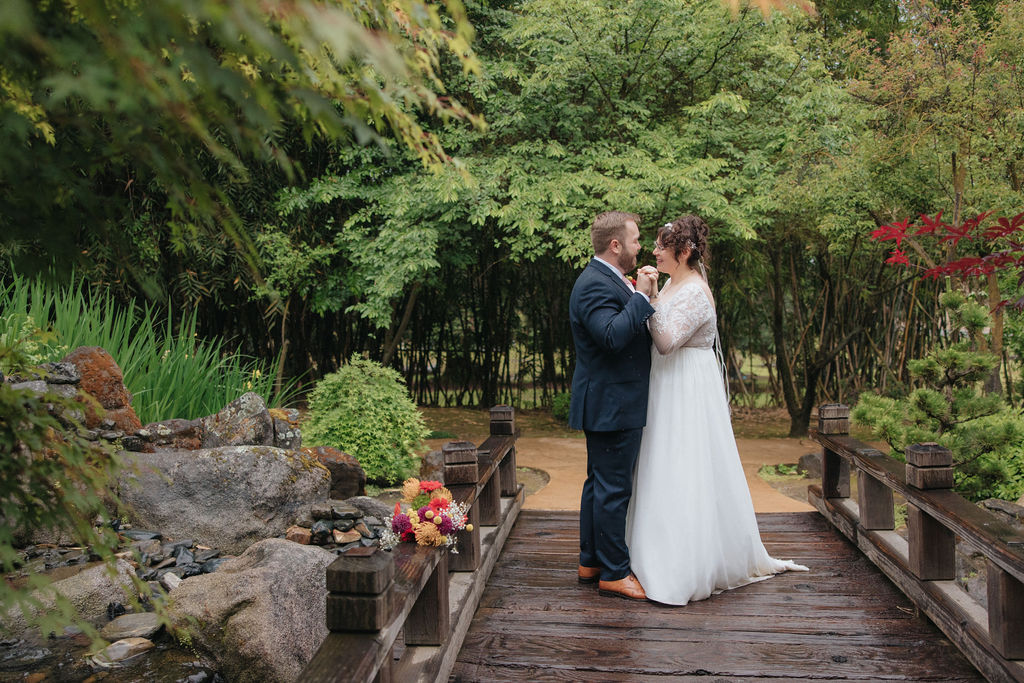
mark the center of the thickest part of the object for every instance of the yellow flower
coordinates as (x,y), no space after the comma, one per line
(410,488)
(428,534)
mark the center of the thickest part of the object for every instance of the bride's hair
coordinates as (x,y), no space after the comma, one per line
(686,232)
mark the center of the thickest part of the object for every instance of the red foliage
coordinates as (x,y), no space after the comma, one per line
(1005,251)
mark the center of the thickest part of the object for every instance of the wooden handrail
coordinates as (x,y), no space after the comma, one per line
(923,565)
(368,611)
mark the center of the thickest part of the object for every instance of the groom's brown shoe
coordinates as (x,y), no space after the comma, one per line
(627,587)
(588,574)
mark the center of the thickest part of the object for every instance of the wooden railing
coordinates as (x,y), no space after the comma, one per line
(402,615)
(923,565)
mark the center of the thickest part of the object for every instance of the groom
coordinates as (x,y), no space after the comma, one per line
(609,395)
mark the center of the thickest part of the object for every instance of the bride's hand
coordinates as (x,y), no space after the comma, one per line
(652,273)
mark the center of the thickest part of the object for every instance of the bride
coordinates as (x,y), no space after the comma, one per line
(690,529)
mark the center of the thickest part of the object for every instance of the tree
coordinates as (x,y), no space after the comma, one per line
(126,108)
(948,407)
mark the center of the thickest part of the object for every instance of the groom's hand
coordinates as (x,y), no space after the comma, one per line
(646,282)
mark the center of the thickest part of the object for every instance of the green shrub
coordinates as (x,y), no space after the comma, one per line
(365,410)
(560,406)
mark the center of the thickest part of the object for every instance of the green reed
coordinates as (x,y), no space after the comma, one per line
(169,370)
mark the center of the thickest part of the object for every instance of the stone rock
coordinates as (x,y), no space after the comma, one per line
(343,510)
(174,433)
(1011,513)
(298,534)
(347,475)
(36,386)
(342,537)
(244,421)
(89,591)
(226,498)
(321,511)
(432,467)
(262,616)
(102,379)
(286,435)
(140,625)
(123,649)
(371,507)
(170,581)
(61,373)
(810,465)
(321,532)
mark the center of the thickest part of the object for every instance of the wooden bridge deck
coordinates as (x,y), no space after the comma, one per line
(843,621)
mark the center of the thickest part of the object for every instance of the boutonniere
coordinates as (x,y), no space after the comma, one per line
(632,281)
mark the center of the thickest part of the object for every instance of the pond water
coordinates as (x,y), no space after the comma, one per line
(64,659)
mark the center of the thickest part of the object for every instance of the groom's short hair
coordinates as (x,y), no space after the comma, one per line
(608,226)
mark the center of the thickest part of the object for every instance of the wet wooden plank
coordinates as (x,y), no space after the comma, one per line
(843,620)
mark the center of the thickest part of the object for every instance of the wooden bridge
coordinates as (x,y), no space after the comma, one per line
(875,605)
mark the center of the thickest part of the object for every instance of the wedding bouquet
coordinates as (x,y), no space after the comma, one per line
(429,517)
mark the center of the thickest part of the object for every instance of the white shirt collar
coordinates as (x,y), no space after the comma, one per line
(608,265)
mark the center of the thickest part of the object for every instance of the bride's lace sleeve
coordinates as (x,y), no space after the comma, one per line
(675,321)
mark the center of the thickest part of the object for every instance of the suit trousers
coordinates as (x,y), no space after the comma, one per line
(611,460)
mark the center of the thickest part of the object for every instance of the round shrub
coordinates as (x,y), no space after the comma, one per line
(560,406)
(364,410)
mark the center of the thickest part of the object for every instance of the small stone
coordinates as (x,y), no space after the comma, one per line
(183,556)
(150,547)
(299,534)
(363,530)
(141,534)
(321,511)
(321,532)
(213,565)
(344,524)
(342,537)
(115,610)
(123,649)
(164,563)
(204,555)
(343,510)
(61,373)
(372,521)
(367,542)
(170,581)
(141,625)
(810,465)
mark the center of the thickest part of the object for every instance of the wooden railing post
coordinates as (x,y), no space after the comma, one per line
(1005,612)
(359,584)
(834,418)
(503,424)
(429,623)
(874,498)
(931,545)
(461,474)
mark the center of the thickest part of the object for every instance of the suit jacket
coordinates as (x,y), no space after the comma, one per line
(613,352)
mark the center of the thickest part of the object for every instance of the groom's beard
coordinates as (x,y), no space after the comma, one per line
(627,262)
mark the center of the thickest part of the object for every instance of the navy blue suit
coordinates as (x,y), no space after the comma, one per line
(609,403)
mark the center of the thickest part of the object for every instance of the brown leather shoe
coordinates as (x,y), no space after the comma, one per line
(588,574)
(627,587)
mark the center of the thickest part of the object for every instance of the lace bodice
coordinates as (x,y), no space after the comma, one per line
(687,318)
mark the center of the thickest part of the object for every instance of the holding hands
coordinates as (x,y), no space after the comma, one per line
(647,281)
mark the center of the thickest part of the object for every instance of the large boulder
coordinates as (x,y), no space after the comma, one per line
(89,592)
(245,420)
(261,616)
(347,475)
(225,498)
(102,379)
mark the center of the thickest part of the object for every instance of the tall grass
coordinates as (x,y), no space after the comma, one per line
(170,373)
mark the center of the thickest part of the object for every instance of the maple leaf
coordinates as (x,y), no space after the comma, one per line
(930,225)
(898,258)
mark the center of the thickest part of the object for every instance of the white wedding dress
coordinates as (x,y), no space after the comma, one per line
(691,529)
